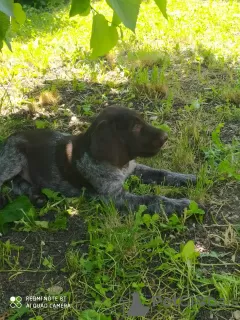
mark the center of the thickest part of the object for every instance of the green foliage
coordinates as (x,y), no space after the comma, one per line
(60,223)
(6,6)
(104,37)
(194,209)
(80,7)
(51,194)
(174,223)
(41,3)
(150,82)
(48,262)
(115,19)
(225,158)
(4,25)
(19,313)
(9,254)
(227,285)
(19,16)
(92,315)
(104,34)
(127,11)
(163,126)
(162,5)
(188,252)
(14,211)
(9,9)
(40,124)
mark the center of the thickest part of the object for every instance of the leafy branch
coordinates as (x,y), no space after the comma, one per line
(104,33)
(11,15)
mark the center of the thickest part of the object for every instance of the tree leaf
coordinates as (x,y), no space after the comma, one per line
(6,6)
(81,7)
(15,211)
(8,43)
(127,11)
(4,26)
(103,38)
(162,5)
(19,17)
(19,14)
(115,19)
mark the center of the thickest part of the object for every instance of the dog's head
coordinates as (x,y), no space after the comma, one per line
(119,135)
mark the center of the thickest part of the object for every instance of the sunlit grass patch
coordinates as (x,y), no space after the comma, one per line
(147,57)
(150,82)
(49,98)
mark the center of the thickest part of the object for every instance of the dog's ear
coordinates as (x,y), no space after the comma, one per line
(107,146)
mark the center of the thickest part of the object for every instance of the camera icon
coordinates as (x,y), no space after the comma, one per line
(16,302)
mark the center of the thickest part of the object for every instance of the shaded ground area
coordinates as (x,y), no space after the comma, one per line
(33,278)
(216,238)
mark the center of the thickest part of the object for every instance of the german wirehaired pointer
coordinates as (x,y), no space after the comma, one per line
(100,160)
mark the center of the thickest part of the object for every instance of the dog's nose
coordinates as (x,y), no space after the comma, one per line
(164,136)
(160,140)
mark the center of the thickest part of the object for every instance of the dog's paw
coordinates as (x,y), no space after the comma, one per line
(170,206)
(192,179)
(187,179)
(181,179)
(38,200)
(181,205)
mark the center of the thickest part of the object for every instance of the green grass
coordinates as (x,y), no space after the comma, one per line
(183,75)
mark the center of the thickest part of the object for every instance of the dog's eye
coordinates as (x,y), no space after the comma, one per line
(137,128)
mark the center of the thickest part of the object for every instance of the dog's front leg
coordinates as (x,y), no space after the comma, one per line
(158,204)
(150,175)
(22,187)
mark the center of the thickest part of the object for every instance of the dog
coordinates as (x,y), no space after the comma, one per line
(100,160)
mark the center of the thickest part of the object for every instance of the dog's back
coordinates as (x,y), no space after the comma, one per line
(48,159)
